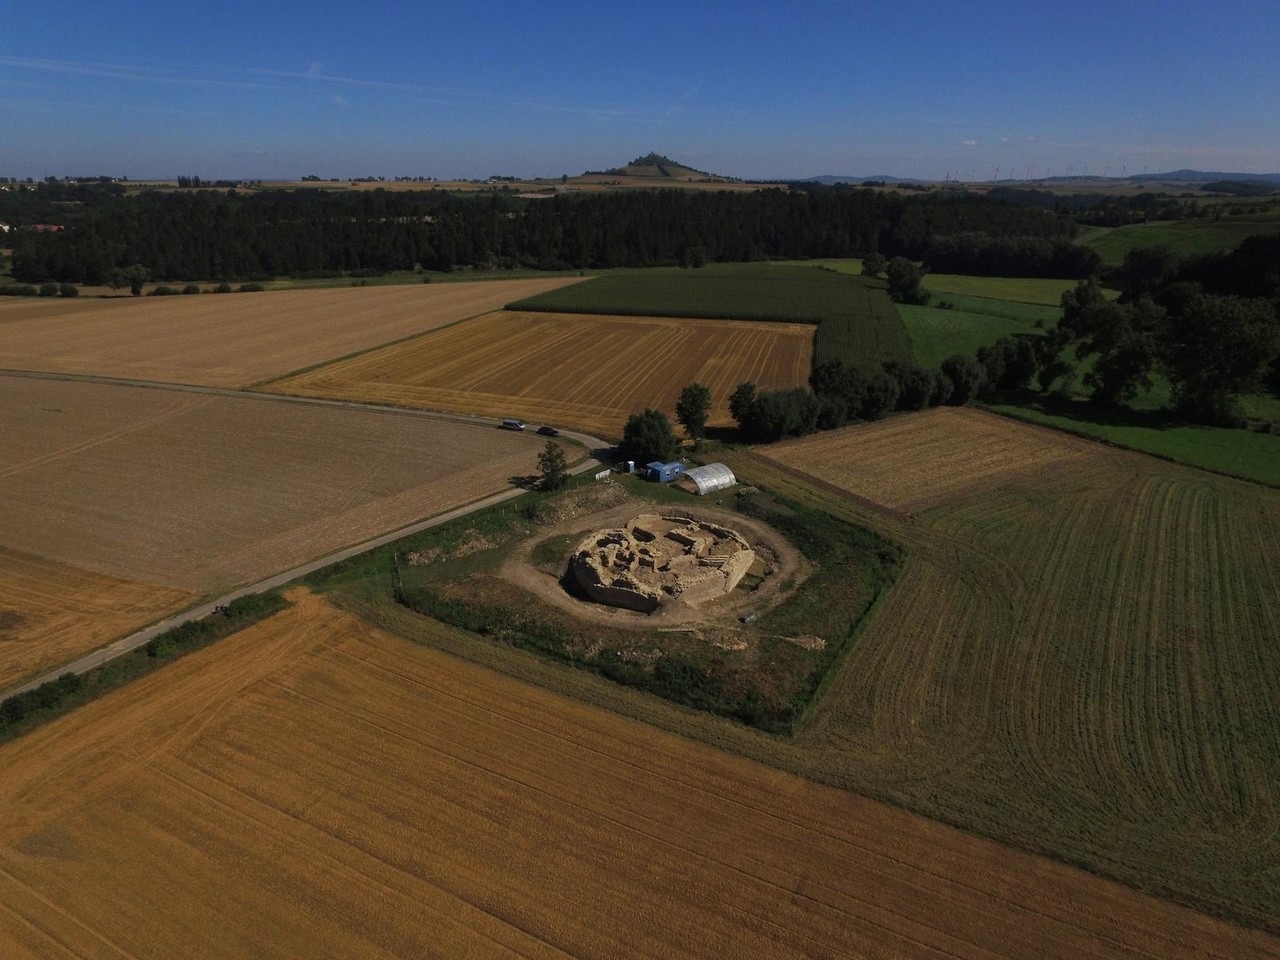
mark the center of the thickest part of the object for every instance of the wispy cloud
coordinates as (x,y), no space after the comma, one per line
(138,73)
(968,143)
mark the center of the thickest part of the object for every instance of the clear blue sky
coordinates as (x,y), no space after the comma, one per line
(275,90)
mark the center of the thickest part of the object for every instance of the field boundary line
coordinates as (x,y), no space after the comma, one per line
(1116,445)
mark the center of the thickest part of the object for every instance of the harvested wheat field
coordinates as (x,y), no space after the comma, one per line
(1080,660)
(578,370)
(313,787)
(235,339)
(50,612)
(913,462)
(202,492)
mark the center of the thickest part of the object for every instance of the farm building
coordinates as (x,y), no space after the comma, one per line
(663,472)
(711,478)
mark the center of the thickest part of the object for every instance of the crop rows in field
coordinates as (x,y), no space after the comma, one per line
(343,793)
(49,612)
(856,320)
(233,340)
(1077,658)
(911,463)
(571,369)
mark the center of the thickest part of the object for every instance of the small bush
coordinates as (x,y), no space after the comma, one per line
(68,290)
(17,290)
(191,288)
(251,288)
(163,291)
(48,289)
(223,287)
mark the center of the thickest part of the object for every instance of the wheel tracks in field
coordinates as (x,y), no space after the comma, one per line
(645,774)
(374,870)
(135,426)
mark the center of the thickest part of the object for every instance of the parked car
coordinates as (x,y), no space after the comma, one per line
(548,431)
(512,424)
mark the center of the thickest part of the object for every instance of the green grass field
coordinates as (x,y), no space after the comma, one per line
(856,320)
(1183,236)
(1241,453)
(975,322)
(1037,290)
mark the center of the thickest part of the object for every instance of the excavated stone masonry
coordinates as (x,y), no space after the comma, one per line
(653,560)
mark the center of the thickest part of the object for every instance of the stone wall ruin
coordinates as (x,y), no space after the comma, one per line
(655,560)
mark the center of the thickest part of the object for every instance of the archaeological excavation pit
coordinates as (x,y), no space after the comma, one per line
(652,561)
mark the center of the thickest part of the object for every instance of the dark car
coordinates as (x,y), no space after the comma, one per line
(548,431)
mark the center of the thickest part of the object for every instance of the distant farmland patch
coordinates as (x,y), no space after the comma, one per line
(228,341)
(1185,237)
(569,369)
(913,462)
(857,322)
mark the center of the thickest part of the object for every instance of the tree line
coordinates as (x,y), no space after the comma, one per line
(239,235)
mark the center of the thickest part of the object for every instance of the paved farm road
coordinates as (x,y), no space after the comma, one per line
(97,657)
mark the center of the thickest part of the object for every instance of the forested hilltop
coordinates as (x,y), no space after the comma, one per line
(237,235)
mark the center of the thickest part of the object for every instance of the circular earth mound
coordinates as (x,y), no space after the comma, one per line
(654,560)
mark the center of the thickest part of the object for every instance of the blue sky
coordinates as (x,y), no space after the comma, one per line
(276,90)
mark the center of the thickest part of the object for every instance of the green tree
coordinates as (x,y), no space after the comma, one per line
(874,264)
(553,466)
(966,375)
(1217,349)
(648,436)
(692,410)
(740,401)
(904,278)
(133,277)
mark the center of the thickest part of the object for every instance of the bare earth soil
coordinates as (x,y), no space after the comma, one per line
(226,340)
(313,787)
(204,492)
(910,463)
(49,612)
(579,370)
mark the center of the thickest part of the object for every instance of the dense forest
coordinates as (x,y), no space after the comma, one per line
(239,235)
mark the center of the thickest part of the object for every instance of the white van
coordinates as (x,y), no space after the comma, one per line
(511,424)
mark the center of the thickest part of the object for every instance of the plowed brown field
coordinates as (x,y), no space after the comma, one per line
(576,370)
(234,339)
(49,612)
(914,462)
(313,787)
(201,492)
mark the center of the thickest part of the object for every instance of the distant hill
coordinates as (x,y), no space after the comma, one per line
(1200,175)
(658,167)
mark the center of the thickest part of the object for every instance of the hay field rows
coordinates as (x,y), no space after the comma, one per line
(201,492)
(1080,659)
(340,792)
(575,370)
(235,339)
(49,612)
(911,463)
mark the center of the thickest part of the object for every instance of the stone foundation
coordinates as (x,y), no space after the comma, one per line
(655,560)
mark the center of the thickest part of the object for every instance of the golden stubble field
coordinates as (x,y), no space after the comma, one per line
(50,611)
(227,340)
(313,787)
(577,370)
(186,494)
(912,463)
(1079,657)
